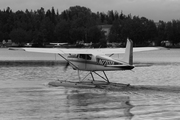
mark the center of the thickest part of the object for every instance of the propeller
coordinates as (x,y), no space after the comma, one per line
(66,66)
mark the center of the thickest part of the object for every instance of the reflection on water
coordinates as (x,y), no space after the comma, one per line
(60,103)
(93,106)
(24,94)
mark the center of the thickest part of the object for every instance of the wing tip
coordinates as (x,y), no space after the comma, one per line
(20,49)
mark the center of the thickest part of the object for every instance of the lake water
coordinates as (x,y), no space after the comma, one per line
(25,95)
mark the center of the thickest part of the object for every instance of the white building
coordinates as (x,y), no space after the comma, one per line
(106,29)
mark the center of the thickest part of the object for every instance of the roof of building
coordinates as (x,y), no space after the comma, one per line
(105,26)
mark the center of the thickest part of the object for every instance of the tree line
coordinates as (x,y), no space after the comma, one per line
(81,24)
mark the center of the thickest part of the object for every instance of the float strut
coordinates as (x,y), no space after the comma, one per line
(106,77)
(92,76)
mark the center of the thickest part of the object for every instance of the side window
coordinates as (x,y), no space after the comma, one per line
(82,56)
(89,57)
(85,56)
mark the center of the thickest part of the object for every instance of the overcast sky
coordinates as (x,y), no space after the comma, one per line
(156,10)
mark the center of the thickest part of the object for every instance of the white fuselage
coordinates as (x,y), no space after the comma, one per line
(89,62)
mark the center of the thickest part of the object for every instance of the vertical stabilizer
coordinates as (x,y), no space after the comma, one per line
(128,56)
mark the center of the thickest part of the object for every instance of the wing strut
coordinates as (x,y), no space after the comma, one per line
(69,62)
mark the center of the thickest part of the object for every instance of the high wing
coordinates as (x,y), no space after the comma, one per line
(96,51)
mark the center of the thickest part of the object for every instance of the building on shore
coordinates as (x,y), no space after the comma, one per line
(106,29)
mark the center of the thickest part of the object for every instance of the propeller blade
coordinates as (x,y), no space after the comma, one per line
(67,65)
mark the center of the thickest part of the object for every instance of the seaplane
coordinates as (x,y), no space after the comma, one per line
(93,61)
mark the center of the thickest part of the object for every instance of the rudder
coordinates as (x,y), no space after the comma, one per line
(128,56)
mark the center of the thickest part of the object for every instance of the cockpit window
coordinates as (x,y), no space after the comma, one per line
(85,56)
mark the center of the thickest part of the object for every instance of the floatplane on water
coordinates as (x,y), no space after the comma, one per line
(93,61)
